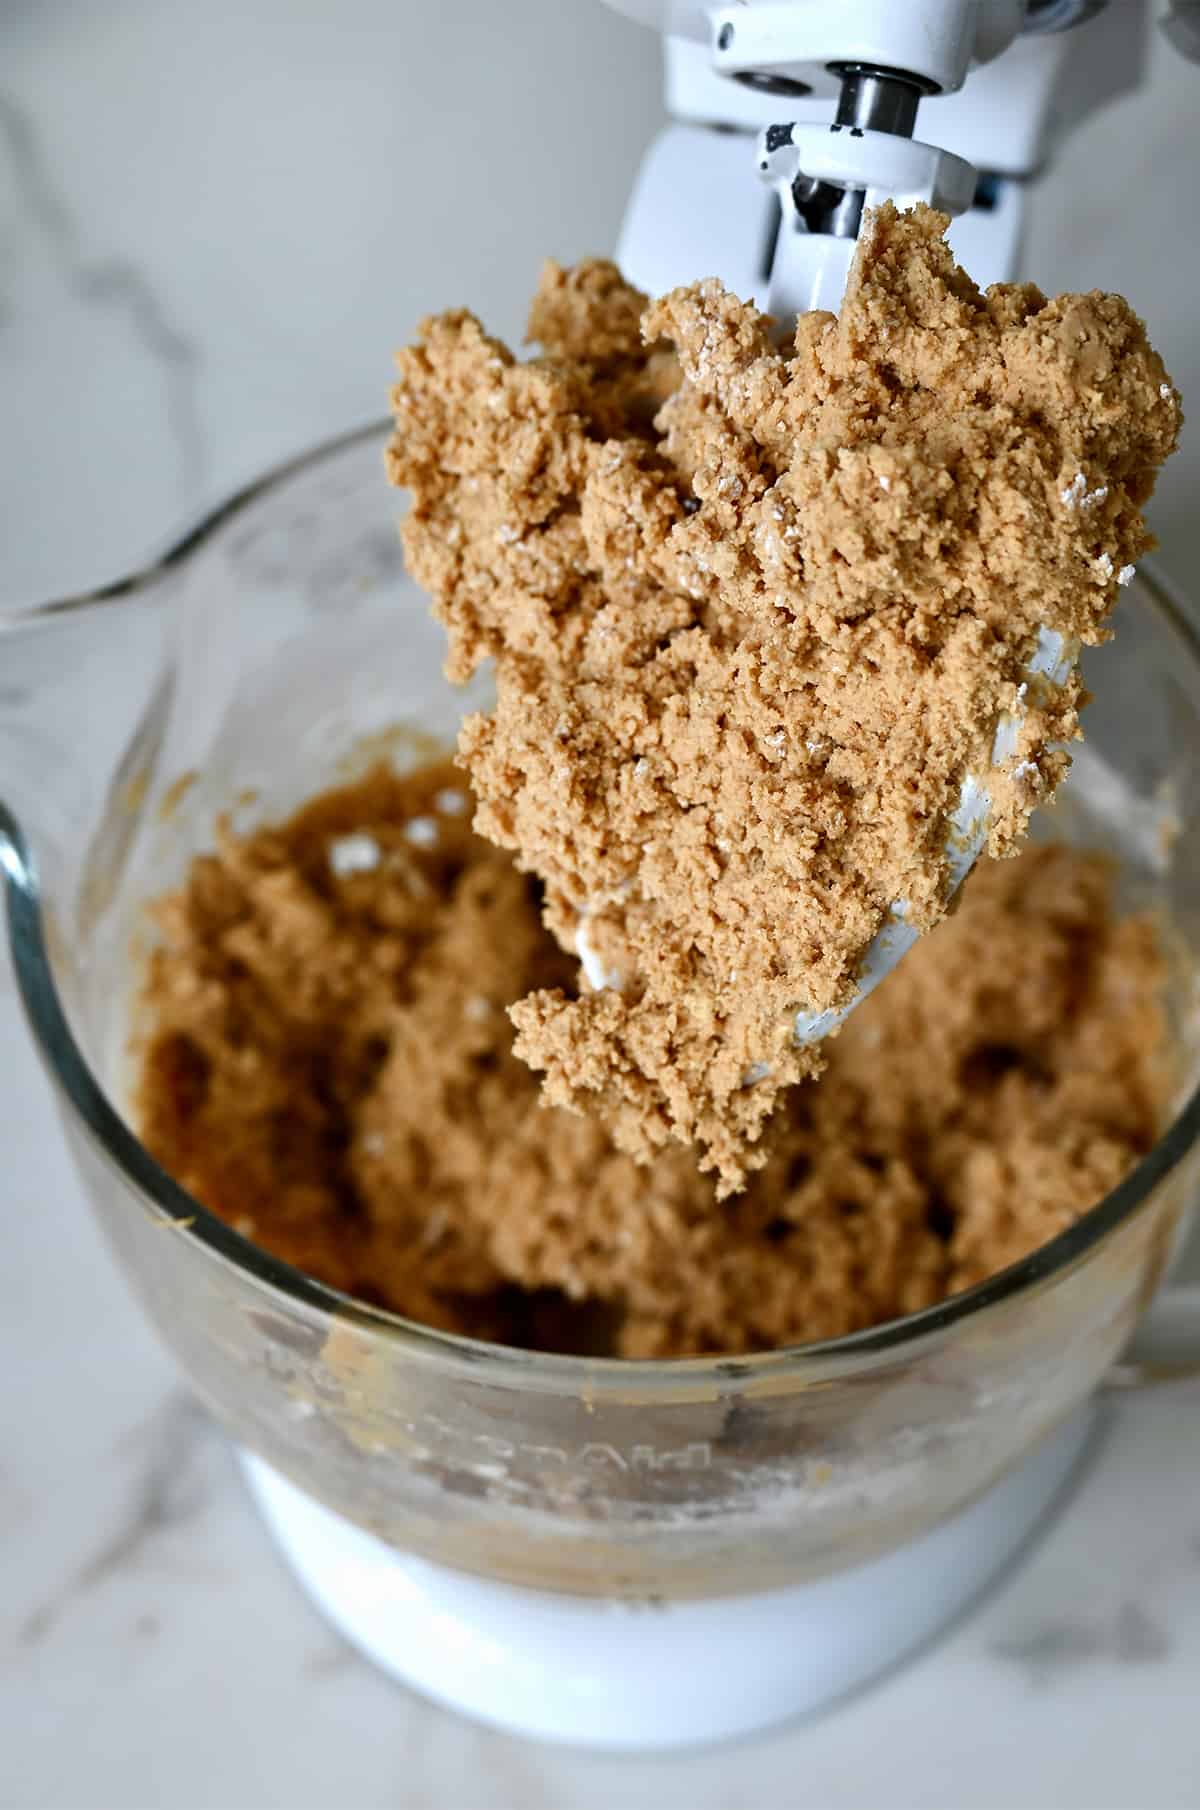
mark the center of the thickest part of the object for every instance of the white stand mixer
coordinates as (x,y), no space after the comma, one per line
(823,98)
(645,1676)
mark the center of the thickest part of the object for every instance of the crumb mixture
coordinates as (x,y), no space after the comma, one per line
(757,614)
(330,1067)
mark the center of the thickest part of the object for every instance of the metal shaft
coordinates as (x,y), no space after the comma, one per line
(877,100)
(871,100)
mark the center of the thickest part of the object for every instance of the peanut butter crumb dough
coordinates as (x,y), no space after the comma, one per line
(756,615)
(331,1069)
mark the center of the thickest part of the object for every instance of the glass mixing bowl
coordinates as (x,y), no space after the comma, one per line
(249,668)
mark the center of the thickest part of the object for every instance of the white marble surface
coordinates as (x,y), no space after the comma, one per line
(215,221)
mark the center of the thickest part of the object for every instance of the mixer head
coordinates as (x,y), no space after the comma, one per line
(878,61)
(833,89)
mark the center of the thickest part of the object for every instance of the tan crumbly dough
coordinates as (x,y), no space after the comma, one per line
(756,614)
(330,1068)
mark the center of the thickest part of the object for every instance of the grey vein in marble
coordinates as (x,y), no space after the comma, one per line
(1057,1648)
(116,283)
(330,1661)
(169,1493)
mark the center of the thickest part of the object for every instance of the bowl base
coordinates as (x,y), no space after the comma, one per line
(621,1675)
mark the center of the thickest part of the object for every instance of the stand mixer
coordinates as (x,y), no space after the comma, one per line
(625,1554)
(821,101)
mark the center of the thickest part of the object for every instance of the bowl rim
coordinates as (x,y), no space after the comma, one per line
(84,1096)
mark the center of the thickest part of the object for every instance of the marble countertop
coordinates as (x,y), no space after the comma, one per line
(211,235)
